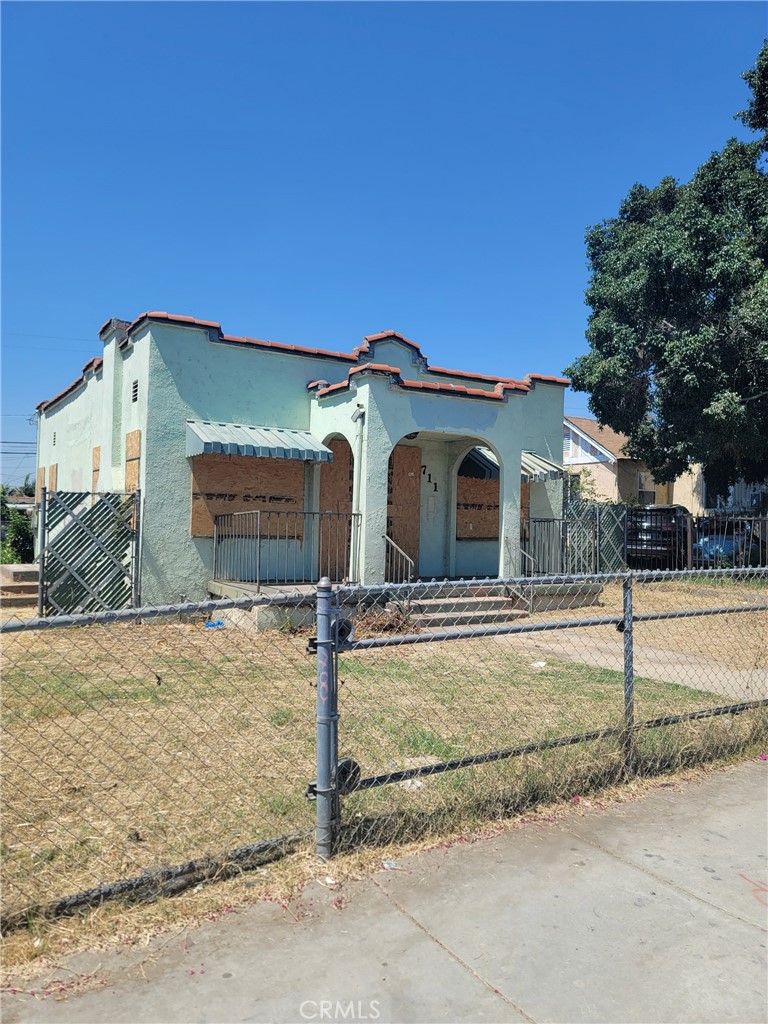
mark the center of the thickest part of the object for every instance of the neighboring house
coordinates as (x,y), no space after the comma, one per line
(207,424)
(617,477)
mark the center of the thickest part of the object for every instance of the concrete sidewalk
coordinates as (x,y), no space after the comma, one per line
(649,911)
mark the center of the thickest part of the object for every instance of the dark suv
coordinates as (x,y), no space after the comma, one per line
(657,537)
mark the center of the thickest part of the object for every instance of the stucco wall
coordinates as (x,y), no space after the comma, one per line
(191,378)
(459,423)
(688,490)
(77,423)
(603,476)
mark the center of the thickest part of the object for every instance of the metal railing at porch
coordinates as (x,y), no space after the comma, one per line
(399,567)
(285,547)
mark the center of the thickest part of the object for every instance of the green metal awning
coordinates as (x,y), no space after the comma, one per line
(207,438)
(534,468)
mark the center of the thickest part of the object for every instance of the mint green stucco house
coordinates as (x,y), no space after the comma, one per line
(251,456)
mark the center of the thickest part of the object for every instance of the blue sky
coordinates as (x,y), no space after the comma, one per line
(311,173)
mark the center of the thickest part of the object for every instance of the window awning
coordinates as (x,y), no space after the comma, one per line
(534,468)
(207,438)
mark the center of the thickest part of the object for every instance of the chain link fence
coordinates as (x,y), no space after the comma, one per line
(152,748)
(460,703)
(147,749)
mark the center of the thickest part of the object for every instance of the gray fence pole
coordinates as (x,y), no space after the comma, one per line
(629,679)
(326,713)
(136,583)
(42,528)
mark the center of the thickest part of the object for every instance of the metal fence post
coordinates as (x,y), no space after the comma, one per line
(136,582)
(41,532)
(629,678)
(326,722)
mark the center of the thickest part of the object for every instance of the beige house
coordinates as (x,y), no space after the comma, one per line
(600,452)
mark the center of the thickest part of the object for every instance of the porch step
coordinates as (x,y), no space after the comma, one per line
(468,617)
(465,610)
(18,574)
(18,595)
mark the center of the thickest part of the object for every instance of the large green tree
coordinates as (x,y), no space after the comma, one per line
(678,331)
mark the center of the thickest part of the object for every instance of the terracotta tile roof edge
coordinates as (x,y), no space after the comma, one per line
(547,380)
(375,368)
(354,357)
(457,389)
(333,387)
(365,347)
(229,339)
(479,376)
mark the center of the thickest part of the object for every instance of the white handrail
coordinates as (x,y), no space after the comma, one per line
(407,560)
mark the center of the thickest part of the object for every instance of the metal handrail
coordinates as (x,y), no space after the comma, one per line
(532,560)
(406,561)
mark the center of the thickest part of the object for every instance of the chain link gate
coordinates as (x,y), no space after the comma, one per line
(89,552)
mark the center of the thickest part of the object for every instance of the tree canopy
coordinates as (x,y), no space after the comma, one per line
(678,331)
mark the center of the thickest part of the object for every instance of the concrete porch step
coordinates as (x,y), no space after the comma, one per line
(18,574)
(17,589)
(455,589)
(467,617)
(15,600)
(462,609)
(466,604)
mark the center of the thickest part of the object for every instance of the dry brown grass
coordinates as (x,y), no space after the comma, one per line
(39,952)
(135,746)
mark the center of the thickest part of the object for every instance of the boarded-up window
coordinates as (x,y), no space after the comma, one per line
(477,509)
(39,483)
(132,460)
(95,468)
(404,499)
(53,476)
(336,478)
(232,483)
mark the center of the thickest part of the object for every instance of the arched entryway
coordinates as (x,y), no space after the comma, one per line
(337,526)
(478,514)
(403,511)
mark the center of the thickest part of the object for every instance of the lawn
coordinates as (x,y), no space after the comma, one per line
(128,747)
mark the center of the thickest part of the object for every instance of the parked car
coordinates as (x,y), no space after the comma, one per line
(657,537)
(721,543)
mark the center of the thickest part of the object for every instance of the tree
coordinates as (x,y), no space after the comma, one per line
(679,325)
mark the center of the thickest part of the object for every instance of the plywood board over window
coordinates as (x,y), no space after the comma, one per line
(232,483)
(404,499)
(477,509)
(53,476)
(336,478)
(132,460)
(39,483)
(95,468)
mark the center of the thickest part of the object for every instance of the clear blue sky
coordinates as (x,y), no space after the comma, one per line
(311,173)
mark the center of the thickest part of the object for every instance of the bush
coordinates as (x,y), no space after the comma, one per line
(18,544)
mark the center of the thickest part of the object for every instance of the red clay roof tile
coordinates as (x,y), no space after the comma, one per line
(548,380)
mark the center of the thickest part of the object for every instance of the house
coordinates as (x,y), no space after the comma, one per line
(617,477)
(248,452)
(597,454)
